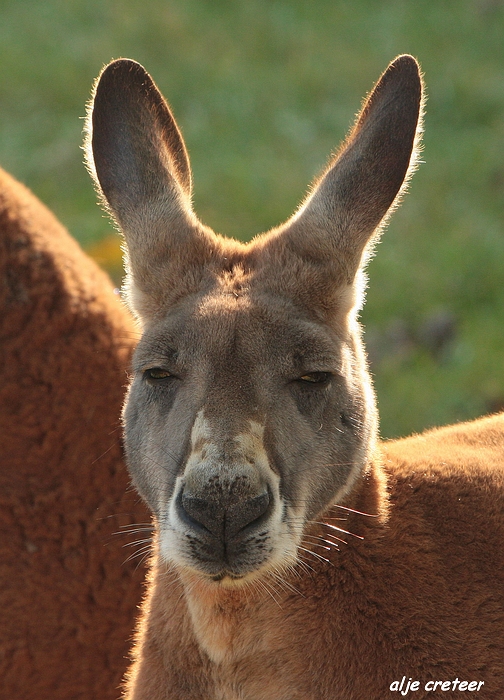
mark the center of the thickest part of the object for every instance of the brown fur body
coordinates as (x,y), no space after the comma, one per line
(67,601)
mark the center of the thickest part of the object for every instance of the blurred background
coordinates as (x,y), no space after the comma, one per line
(263,91)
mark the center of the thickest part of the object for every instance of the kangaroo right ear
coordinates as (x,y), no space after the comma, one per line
(137,157)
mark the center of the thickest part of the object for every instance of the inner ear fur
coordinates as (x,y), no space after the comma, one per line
(329,238)
(137,157)
(137,147)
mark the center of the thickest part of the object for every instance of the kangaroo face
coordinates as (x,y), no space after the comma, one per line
(243,422)
(251,409)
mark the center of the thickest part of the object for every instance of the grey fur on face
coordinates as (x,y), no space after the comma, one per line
(251,408)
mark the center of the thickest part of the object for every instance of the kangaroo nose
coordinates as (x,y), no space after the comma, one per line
(223,517)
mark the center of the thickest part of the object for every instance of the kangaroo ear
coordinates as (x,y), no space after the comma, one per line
(137,157)
(137,147)
(332,229)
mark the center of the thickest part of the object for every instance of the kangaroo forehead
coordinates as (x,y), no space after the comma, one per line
(261,329)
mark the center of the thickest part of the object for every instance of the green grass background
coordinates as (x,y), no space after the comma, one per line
(264,90)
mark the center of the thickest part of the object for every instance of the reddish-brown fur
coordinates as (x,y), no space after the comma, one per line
(67,601)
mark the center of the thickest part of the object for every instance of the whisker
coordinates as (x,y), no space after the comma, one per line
(329,542)
(316,542)
(338,529)
(145,526)
(262,584)
(301,563)
(345,532)
(104,453)
(145,550)
(136,531)
(358,512)
(277,575)
(136,542)
(318,556)
(320,538)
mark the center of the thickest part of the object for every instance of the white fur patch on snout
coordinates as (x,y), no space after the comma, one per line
(227,457)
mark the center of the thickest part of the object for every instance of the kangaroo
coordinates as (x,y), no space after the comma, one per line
(295,557)
(68,602)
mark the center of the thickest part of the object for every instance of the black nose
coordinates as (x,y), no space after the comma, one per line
(222,517)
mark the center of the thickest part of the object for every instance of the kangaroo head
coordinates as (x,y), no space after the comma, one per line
(250,410)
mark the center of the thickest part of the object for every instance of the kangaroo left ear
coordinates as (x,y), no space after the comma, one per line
(349,203)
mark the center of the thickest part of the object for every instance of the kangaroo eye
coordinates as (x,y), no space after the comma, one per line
(157,374)
(315,377)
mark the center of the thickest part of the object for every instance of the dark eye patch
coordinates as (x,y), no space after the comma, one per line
(315,378)
(157,375)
